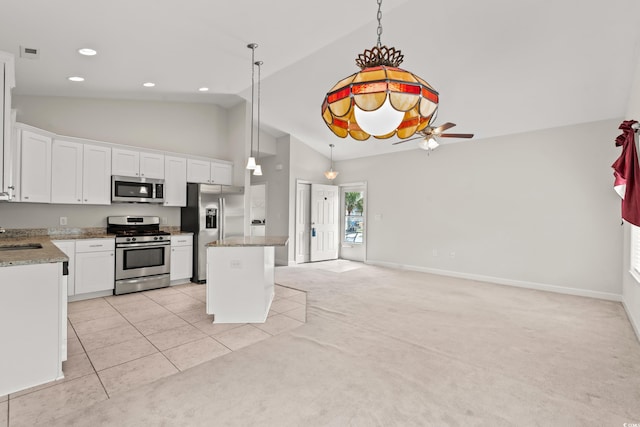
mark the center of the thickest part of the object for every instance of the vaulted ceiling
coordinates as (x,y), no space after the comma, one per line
(501,66)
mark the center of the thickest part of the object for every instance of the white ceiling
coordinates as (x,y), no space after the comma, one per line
(501,66)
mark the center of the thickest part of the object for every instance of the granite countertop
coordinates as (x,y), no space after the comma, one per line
(47,254)
(250,241)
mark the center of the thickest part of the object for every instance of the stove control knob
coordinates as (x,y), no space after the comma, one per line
(160,238)
(128,239)
(133,239)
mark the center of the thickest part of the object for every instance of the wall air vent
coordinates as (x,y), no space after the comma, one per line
(29,52)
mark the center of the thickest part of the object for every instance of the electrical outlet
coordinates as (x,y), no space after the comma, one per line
(164,220)
(434,252)
(452,254)
(63,220)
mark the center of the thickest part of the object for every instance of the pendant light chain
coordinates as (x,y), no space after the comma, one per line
(253,53)
(379,22)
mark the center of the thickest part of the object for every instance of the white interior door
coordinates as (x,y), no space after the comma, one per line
(303,223)
(325,222)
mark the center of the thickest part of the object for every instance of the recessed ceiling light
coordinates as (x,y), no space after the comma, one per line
(148,84)
(76,79)
(203,89)
(87,51)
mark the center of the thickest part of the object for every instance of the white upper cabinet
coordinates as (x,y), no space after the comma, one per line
(137,163)
(175,181)
(125,162)
(209,172)
(35,167)
(7,82)
(152,165)
(80,173)
(199,171)
(66,172)
(96,175)
(221,173)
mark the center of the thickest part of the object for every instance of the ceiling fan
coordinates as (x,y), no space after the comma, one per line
(428,136)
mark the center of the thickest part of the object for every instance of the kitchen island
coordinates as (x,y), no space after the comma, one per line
(33,303)
(240,278)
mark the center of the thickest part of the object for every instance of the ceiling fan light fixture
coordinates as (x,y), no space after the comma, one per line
(381,99)
(428,144)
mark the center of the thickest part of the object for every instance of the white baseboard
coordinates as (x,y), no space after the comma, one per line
(632,320)
(502,281)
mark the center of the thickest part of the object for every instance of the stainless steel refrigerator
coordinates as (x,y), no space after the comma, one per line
(213,212)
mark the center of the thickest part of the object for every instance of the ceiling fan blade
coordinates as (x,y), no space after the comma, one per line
(407,140)
(456,135)
(443,127)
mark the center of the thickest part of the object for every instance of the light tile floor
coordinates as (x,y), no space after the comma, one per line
(117,343)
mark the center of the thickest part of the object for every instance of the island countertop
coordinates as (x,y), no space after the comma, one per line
(47,254)
(250,241)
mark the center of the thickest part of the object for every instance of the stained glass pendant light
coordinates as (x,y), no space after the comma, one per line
(251,163)
(381,99)
(331,174)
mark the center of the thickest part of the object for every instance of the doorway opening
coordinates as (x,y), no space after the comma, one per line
(353,198)
(330,222)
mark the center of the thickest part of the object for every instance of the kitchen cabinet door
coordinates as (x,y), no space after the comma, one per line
(96,175)
(69,249)
(221,173)
(181,262)
(152,165)
(199,171)
(35,167)
(94,271)
(66,172)
(7,82)
(175,181)
(125,162)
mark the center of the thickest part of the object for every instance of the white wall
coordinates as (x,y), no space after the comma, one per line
(630,287)
(198,129)
(534,209)
(277,196)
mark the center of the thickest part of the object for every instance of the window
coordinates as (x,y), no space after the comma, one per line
(353,216)
(635,252)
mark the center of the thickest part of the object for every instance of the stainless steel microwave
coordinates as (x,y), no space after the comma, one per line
(137,190)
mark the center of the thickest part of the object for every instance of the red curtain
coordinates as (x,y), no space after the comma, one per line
(627,173)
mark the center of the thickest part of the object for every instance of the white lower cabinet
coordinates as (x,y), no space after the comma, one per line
(69,249)
(31,313)
(181,257)
(95,265)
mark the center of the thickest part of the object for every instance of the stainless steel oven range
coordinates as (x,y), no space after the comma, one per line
(143,253)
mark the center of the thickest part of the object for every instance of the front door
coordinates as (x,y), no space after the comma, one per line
(325,222)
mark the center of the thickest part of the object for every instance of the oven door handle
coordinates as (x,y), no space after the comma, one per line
(145,244)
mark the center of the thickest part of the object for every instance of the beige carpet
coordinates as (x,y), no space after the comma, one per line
(395,348)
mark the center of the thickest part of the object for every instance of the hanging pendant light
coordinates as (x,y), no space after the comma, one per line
(251,163)
(381,99)
(331,174)
(258,170)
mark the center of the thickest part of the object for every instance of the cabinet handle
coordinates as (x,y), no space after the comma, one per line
(79,200)
(26,197)
(95,246)
(141,174)
(86,200)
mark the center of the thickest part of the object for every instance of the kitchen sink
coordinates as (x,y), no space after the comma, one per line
(20,247)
